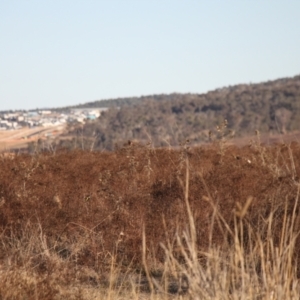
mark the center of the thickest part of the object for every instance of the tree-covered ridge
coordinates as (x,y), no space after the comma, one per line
(273,106)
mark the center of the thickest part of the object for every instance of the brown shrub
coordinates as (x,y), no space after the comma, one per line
(84,207)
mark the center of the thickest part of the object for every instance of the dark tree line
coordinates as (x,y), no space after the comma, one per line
(272,106)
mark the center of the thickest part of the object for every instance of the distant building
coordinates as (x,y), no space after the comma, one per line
(45,112)
(91,117)
(32,114)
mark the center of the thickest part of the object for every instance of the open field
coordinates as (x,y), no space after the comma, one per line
(268,139)
(19,138)
(214,222)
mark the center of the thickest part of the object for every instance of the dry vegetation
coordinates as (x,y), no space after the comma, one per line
(271,107)
(217,222)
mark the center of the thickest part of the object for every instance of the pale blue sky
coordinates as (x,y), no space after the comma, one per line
(59,52)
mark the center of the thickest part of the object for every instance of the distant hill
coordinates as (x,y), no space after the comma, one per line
(269,107)
(119,102)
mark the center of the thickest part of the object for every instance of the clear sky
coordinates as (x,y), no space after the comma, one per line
(65,52)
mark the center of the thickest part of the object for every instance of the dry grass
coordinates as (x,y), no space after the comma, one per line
(144,223)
